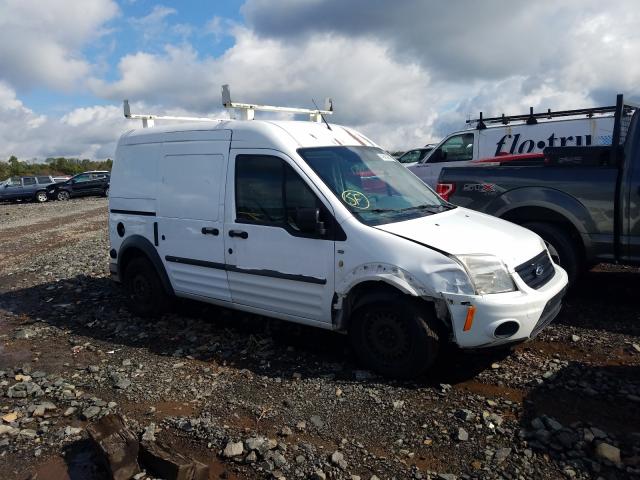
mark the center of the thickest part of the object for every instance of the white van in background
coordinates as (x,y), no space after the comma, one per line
(315,224)
(530,133)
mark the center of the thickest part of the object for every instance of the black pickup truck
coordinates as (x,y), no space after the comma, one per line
(583,201)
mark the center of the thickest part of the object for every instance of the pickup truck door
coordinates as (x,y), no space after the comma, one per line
(29,186)
(272,265)
(456,151)
(12,189)
(632,199)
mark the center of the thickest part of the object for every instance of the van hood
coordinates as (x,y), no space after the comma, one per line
(462,232)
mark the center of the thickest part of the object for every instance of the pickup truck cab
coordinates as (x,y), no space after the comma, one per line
(583,201)
(26,188)
(316,224)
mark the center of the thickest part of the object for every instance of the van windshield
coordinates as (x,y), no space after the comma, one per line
(372,184)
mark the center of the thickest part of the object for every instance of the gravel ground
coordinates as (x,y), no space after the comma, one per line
(257,398)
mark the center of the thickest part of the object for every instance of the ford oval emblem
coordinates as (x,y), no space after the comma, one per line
(539,270)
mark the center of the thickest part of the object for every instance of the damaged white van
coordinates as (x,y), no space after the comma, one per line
(314,223)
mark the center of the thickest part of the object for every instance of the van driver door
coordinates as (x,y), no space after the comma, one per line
(277,260)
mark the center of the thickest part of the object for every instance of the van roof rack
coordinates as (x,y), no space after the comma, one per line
(148,120)
(532,118)
(246,110)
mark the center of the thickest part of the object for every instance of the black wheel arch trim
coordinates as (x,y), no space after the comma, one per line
(145,246)
(560,203)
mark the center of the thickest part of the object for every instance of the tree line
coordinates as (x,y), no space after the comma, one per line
(52,166)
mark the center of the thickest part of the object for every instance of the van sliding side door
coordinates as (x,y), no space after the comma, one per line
(190,216)
(272,264)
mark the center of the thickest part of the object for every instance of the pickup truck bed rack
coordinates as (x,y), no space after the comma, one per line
(531,118)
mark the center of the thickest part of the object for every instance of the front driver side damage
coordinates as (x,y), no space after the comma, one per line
(401,280)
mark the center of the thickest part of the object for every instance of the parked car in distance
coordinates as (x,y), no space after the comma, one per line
(26,188)
(411,157)
(61,178)
(316,224)
(88,183)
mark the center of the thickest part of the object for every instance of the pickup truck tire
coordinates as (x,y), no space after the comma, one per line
(562,248)
(146,296)
(41,196)
(396,338)
(63,195)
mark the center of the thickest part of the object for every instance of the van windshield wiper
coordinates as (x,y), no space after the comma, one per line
(428,208)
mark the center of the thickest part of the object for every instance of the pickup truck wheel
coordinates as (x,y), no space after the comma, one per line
(562,248)
(395,338)
(146,296)
(62,195)
(41,196)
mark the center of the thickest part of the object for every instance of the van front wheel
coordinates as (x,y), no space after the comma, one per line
(146,296)
(395,338)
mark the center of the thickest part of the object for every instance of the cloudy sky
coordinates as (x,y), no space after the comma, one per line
(405,72)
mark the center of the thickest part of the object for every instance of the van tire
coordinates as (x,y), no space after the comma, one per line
(396,338)
(146,297)
(562,248)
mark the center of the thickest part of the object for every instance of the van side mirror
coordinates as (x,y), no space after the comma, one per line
(308,221)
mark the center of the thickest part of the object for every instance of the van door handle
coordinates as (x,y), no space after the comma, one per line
(238,233)
(210,231)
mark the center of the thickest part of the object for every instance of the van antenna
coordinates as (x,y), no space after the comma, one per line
(320,112)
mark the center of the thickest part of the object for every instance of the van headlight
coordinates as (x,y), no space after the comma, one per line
(487,273)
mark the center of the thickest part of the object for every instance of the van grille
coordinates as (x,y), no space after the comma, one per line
(537,271)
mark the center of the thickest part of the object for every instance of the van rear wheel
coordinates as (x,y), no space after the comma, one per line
(146,296)
(396,338)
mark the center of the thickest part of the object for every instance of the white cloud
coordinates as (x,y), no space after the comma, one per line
(405,74)
(84,132)
(369,87)
(41,42)
(153,26)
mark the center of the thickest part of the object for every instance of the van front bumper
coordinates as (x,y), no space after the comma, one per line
(504,318)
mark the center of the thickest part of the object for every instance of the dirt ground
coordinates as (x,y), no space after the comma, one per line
(565,405)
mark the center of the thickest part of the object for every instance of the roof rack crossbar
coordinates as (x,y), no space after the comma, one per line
(247,110)
(148,120)
(590,112)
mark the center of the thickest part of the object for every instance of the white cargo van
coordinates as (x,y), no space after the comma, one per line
(315,224)
(520,134)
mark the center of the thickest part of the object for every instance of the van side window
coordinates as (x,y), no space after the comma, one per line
(259,192)
(297,196)
(270,192)
(458,148)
